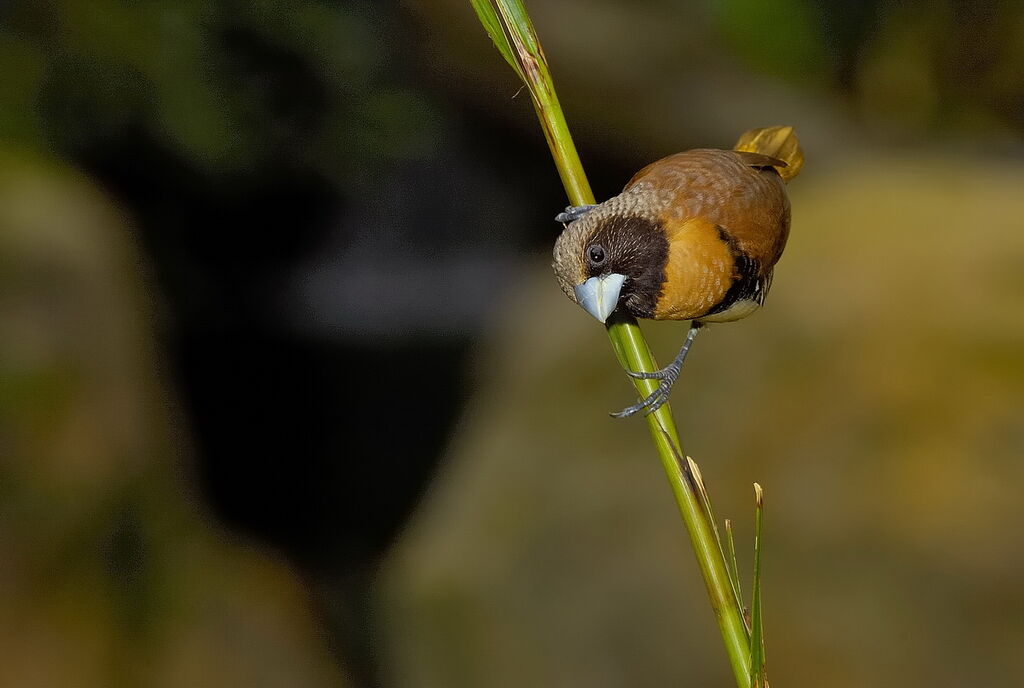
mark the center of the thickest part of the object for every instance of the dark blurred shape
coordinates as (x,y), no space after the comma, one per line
(328,479)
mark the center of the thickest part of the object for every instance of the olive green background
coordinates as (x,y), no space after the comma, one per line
(878,398)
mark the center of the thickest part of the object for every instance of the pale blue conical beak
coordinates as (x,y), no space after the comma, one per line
(600,295)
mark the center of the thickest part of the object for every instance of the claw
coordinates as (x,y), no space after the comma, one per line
(573,213)
(651,403)
(656,375)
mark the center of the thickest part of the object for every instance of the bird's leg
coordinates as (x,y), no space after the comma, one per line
(667,375)
(671,371)
(573,212)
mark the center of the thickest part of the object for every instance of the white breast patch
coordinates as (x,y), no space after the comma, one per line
(737,311)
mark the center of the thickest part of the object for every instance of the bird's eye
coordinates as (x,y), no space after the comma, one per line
(595,254)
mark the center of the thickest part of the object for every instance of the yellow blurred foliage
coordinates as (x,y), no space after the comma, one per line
(878,398)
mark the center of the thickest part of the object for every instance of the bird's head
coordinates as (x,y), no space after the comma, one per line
(609,258)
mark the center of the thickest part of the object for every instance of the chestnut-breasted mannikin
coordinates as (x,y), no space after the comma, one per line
(694,236)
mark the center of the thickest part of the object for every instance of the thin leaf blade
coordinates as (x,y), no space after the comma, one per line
(493,26)
(758,675)
(731,562)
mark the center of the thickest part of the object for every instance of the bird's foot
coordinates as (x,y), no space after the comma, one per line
(573,213)
(668,376)
(656,399)
(656,375)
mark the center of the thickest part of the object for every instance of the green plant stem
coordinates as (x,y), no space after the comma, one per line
(627,340)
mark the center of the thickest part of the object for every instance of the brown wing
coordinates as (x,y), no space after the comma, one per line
(738,191)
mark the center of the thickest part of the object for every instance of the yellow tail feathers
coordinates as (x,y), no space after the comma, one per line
(776,142)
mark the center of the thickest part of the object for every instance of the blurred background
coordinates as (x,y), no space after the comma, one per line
(289,395)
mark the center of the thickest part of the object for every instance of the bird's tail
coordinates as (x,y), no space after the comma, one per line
(776,142)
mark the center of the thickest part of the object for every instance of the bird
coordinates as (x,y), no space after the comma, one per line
(694,236)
